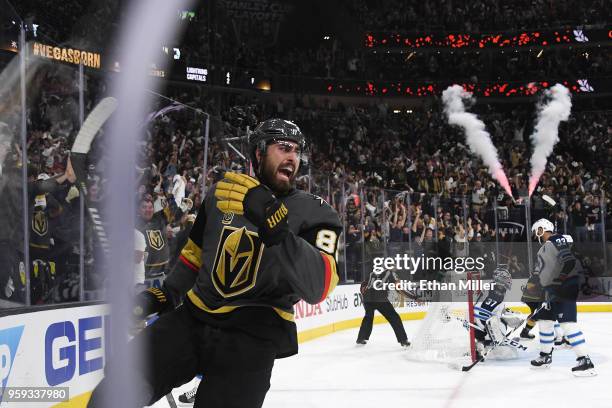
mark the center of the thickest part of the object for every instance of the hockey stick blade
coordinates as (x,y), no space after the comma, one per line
(549,200)
(93,123)
(469,367)
(82,143)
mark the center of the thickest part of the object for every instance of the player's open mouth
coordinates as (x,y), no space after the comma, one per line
(285,172)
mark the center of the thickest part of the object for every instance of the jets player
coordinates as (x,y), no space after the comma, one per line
(257,246)
(533,296)
(493,319)
(558,270)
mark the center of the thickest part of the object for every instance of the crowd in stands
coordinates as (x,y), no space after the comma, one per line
(85,25)
(402,182)
(477,16)
(536,64)
(334,59)
(217,42)
(76,17)
(420,156)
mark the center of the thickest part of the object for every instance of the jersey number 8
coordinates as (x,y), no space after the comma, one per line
(326,241)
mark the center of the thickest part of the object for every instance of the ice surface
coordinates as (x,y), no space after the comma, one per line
(333,371)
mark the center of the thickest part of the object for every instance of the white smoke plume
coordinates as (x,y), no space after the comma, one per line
(477,138)
(556,109)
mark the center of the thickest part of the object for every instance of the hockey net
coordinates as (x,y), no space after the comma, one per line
(446,334)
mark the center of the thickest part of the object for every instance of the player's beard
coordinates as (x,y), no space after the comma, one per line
(268,176)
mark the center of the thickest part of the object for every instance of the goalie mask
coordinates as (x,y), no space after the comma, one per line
(275,131)
(502,277)
(540,227)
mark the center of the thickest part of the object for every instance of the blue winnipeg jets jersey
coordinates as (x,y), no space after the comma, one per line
(492,305)
(556,262)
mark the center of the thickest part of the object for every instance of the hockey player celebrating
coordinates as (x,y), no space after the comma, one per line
(558,270)
(154,226)
(492,319)
(256,248)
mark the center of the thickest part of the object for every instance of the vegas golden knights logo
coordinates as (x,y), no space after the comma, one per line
(237,261)
(156,240)
(39,223)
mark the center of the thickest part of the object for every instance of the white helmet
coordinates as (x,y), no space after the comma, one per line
(541,226)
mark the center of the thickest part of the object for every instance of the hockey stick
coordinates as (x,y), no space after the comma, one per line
(170,399)
(484,356)
(78,157)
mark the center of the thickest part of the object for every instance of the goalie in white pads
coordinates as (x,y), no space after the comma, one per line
(493,321)
(559,271)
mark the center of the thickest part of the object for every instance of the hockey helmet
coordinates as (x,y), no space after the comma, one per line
(272,131)
(540,227)
(502,277)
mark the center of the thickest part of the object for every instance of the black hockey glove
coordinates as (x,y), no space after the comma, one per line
(149,301)
(242,194)
(268,213)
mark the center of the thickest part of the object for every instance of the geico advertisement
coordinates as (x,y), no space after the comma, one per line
(61,347)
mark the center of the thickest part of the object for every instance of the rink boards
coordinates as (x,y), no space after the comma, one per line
(65,347)
(343,309)
(62,347)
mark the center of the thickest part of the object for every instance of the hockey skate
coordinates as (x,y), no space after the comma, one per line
(361,342)
(405,343)
(525,335)
(585,367)
(543,361)
(187,399)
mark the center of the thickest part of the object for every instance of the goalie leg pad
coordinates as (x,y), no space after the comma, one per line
(496,329)
(503,353)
